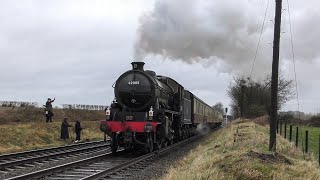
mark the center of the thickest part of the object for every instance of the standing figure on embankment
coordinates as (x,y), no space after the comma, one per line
(65,129)
(49,111)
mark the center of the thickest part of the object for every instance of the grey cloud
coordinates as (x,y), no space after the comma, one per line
(52,49)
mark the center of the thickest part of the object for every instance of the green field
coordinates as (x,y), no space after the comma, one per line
(313,137)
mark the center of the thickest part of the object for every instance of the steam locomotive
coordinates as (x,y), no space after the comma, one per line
(152,111)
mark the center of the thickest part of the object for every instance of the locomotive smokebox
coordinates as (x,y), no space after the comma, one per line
(137,66)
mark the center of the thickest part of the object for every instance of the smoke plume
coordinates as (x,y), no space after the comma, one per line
(192,31)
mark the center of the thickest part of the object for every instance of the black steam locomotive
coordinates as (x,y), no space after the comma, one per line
(153,111)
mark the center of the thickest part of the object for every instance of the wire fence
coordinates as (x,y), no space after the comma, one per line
(305,137)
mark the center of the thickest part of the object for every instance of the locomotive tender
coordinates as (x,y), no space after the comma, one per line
(153,111)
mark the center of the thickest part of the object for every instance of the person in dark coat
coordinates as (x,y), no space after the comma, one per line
(115,108)
(65,129)
(78,129)
(49,111)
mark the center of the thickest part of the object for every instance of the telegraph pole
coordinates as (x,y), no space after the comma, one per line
(226,110)
(275,76)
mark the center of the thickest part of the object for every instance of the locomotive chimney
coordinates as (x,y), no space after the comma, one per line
(137,66)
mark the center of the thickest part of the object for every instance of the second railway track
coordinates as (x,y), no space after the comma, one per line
(16,163)
(104,166)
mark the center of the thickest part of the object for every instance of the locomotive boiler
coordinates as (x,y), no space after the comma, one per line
(152,111)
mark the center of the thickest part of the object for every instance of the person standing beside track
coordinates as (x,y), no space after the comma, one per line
(78,130)
(65,129)
(49,111)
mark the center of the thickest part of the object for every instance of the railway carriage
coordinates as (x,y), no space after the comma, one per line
(153,111)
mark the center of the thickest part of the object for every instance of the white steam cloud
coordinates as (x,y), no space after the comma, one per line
(203,129)
(193,31)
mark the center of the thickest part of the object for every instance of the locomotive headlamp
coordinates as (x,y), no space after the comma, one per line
(151,113)
(108,113)
(148,128)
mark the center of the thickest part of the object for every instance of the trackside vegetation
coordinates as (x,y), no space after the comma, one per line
(16,137)
(240,151)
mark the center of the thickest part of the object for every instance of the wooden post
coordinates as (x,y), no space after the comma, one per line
(280,128)
(275,76)
(306,141)
(285,130)
(290,133)
(297,136)
(319,151)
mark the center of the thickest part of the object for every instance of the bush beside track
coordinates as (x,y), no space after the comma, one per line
(240,151)
(16,137)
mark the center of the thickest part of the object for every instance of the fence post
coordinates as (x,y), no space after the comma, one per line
(297,136)
(285,130)
(306,141)
(280,128)
(290,133)
(319,151)
(277,126)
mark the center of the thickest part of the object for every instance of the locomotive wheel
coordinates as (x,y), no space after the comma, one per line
(160,144)
(165,144)
(114,143)
(149,143)
(169,142)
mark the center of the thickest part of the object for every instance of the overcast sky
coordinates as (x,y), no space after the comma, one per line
(75,50)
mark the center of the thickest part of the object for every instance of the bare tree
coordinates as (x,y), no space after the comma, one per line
(218,107)
(252,99)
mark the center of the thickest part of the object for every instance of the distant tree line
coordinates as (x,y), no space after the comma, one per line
(83,106)
(251,98)
(299,118)
(14,104)
(17,104)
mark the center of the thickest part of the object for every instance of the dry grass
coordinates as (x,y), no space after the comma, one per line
(26,136)
(240,151)
(33,114)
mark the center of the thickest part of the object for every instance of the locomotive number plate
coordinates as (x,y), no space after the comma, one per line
(133,82)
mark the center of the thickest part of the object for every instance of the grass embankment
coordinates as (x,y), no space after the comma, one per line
(313,137)
(34,114)
(240,151)
(26,136)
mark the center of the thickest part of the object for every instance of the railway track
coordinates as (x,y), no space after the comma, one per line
(29,159)
(104,166)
